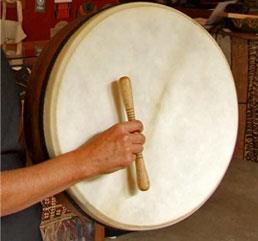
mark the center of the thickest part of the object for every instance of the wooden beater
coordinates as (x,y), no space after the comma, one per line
(127,95)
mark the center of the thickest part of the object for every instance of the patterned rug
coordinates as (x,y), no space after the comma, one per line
(60,224)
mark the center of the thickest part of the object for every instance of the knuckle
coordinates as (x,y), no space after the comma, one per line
(125,138)
(127,150)
(140,125)
(117,127)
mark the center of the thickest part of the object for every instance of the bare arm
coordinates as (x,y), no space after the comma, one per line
(113,149)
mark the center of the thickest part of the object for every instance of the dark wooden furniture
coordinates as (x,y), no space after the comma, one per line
(244,50)
(24,53)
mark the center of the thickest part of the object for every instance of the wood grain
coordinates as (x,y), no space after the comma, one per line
(239,65)
(240,16)
(99,232)
(127,94)
(239,148)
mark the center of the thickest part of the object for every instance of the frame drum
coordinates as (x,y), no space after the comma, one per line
(184,94)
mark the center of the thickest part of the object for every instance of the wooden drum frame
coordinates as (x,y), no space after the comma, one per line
(186,100)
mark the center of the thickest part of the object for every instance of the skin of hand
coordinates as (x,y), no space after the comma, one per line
(114,148)
(108,151)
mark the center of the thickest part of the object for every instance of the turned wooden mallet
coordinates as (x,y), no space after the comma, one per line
(127,95)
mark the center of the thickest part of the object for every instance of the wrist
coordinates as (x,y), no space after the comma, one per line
(83,163)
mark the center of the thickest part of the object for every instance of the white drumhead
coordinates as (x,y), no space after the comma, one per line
(183,92)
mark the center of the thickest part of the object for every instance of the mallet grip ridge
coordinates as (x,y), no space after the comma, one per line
(127,95)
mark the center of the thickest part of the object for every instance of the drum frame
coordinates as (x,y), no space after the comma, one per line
(34,103)
(34,99)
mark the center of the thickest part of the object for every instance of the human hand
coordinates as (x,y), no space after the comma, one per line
(112,149)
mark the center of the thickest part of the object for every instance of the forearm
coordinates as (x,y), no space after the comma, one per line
(24,187)
(109,151)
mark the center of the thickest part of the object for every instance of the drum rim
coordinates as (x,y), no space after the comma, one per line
(33,105)
(91,210)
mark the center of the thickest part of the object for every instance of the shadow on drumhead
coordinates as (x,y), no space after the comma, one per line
(118,103)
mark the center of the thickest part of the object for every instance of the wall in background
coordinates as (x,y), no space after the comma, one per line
(37,25)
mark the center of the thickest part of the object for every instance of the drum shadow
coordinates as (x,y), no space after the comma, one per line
(118,102)
(120,110)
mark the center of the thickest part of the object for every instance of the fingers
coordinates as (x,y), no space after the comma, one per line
(133,126)
(137,148)
(130,137)
(137,138)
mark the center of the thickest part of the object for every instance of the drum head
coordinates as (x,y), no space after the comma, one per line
(183,93)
